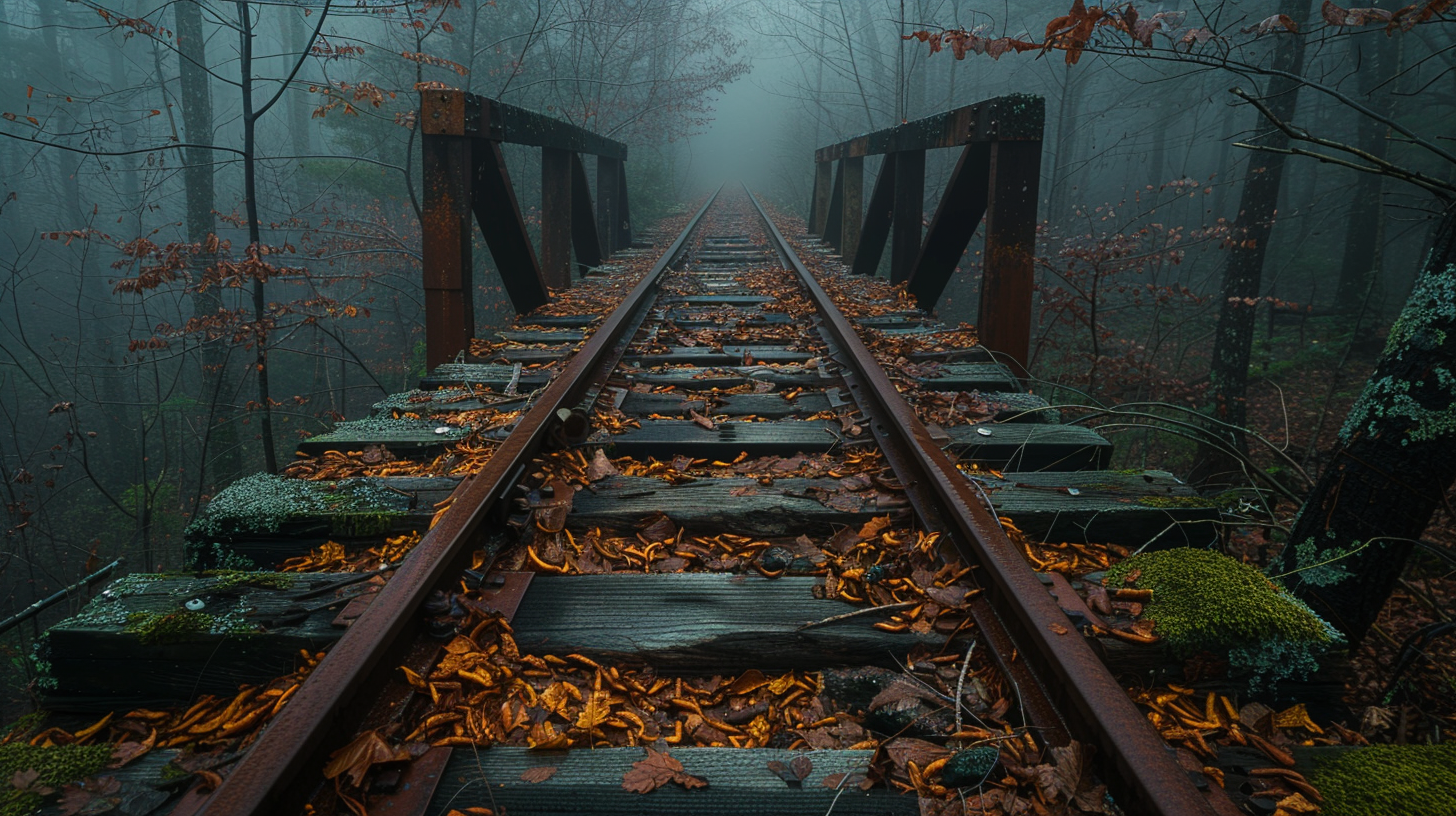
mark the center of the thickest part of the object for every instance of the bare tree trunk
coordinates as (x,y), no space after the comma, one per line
(1358,270)
(255,237)
(1233,339)
(1395,460)
(221,450)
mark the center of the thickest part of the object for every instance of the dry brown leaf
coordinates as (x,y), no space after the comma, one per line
(656,770)
(538,774)
(1296,716)
(600,467)
(367,750)
(596,710)
(874,527)
(953,597)
(1296,803)
(702,421)
(127,751)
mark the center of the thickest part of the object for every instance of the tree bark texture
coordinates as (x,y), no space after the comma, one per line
(221,450)
(1358,270)
(1395,460)
(1229,369)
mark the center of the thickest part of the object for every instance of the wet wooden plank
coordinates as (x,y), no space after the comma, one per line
(770,406)
(728,355)
(1015,406)
(741,506)
(667,438)
(693,319)
(555,336)
(702,379)
(701,622)
(493,376)
(1131,509)
(682,301)
(225,532)
(1026,446)
(446,400)
(971,377)
(405,438)
(558,321)
(243,633)
(739,784)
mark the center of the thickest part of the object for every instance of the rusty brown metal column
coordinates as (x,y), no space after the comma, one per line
(499,217)
(623,212)
(556,217)
(834,217)
(607,169)
(819,201)
(583,221)
(879,214)
(852,210)
(447,229)
(954,224)
(909,213)
(1006,280)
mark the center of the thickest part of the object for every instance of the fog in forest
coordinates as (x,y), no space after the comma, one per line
(1235,202)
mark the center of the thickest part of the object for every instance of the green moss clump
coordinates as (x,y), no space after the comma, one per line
(1206,600)
(1389,780)
(58,765)
(229,578)
(167,627)
(1172,502)
(263,503)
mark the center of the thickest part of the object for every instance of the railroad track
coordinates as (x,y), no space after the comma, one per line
(718,553)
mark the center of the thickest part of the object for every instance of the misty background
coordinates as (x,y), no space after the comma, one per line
(129,305)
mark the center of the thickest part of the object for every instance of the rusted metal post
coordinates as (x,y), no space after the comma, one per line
(852,214)
(505,234)
(624,209)
(956,218)
(583,221)
(607,169)
(1006,279)
(556,217)
(819,202)
(446,228)
(878,216)
(834,217)
(909,213)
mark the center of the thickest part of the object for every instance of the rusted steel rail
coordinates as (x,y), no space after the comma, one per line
(285,765)
(1070,690)
(1061,688)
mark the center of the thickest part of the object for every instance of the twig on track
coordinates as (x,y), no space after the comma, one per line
(856,613)
(961,683)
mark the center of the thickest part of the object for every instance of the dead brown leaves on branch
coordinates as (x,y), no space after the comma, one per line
(1074,31)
